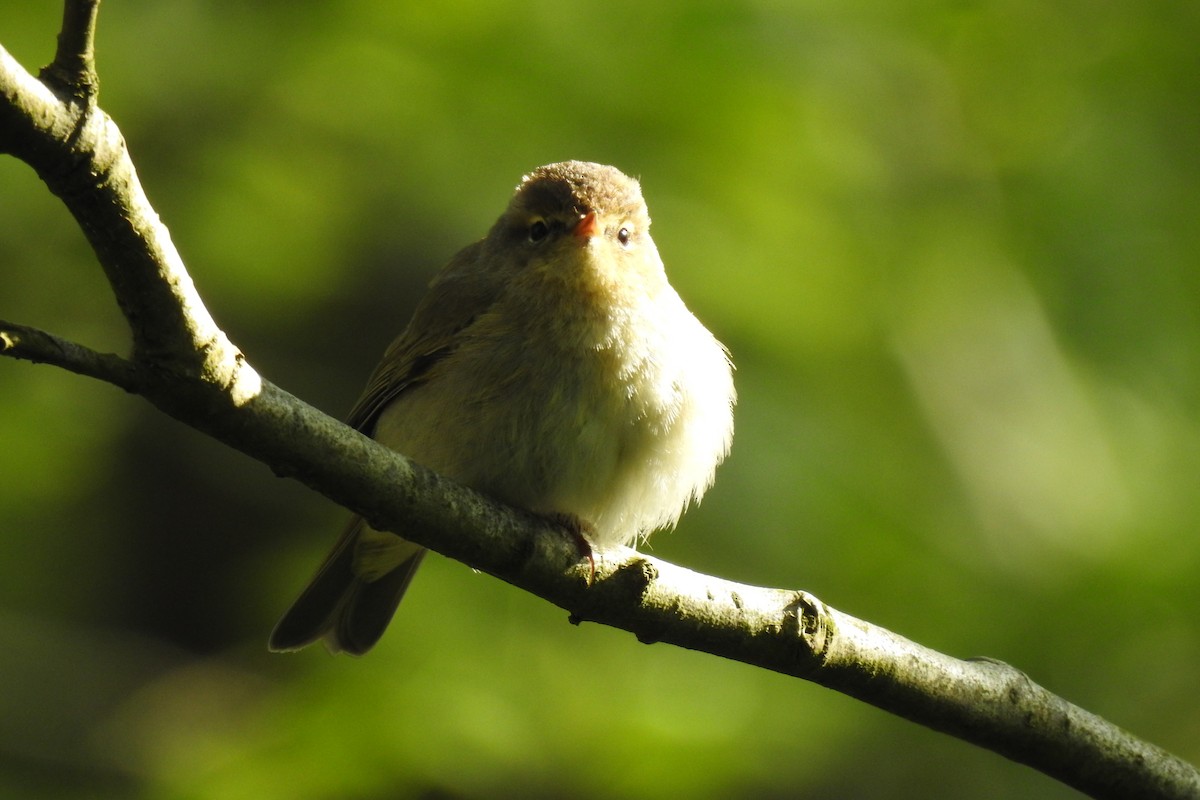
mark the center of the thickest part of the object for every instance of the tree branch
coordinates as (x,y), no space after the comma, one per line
(73,71)
(182,363)
(31,344)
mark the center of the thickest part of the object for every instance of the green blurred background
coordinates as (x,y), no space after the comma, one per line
(953,249)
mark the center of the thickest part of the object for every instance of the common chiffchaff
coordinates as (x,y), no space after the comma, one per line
(551,366)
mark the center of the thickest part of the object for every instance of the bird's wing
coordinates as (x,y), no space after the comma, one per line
(456,297)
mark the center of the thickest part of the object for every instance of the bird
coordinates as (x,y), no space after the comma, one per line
(551,366)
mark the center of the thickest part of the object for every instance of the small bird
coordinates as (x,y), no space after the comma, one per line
(551,366)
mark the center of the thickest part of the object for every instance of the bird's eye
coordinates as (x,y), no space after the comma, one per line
(624,236)
(538,230)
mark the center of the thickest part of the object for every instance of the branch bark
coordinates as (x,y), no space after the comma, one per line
(186,366)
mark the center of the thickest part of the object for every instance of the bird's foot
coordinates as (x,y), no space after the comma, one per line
(578,529)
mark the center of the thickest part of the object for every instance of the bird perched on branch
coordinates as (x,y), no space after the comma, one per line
(550,366)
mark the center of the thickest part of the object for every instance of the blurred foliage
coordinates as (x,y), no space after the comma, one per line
(952,246)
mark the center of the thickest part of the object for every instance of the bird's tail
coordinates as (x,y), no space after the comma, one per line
(352,598)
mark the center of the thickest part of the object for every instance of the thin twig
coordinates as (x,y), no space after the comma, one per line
(73,71)
(30,344)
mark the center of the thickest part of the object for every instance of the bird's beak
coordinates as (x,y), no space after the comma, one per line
(588,226)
